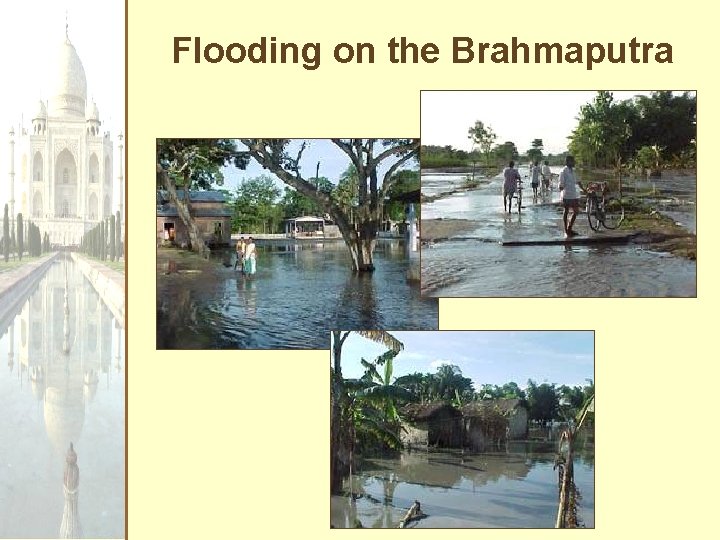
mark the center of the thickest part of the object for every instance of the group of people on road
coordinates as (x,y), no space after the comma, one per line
(246,256)
(567,183)
(512,177)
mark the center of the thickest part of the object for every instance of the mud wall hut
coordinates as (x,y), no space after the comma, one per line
(490,421)
(431,424)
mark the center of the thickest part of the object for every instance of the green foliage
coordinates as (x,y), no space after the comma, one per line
(254,206)
(665,121)
(197,163)
(34,240)
(484,137)
(610,132)
(372,403)
(543,401)
(295,204)
(648,157)
(111,239)
(346,192)
(535,153)
(103,241)
(433,157)
(506,152)
(447,384)
(118,236)
(406,181)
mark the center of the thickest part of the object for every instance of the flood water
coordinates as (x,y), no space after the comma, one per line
(515,487)
(62,382)
(475,264)
(301,292)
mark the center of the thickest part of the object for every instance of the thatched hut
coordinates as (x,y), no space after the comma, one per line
(431,424)
(493,420)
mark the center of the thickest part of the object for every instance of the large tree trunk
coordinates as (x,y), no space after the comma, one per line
(361,246)
(339,465)
(183,207)
(371,192)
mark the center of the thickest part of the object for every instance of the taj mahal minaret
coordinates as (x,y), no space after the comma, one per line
(66,161)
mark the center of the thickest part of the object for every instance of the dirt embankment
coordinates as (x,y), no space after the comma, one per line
(435,230)
(661,232)
(638,173)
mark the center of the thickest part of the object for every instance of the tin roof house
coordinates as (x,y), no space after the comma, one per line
(209,209)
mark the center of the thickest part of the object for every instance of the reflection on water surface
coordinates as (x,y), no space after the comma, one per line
(63,384)
(512,487)
(301,292)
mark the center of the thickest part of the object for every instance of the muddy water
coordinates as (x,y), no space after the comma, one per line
(514,487)
(474,264)
(62,382)
(300,292)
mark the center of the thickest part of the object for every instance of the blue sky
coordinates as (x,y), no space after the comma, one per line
(333,162)
(486,357)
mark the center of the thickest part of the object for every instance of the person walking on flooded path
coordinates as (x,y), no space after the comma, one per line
(535,178)
(546,174)
(240,252)
(569,185)
(512,176)
(250,255)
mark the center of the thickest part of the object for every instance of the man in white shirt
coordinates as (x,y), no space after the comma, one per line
(511,176)
(546,174)
(534,177)
(569,185)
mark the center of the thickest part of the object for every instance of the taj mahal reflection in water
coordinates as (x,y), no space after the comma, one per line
(62,412)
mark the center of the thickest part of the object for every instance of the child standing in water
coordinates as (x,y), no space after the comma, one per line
(240,252)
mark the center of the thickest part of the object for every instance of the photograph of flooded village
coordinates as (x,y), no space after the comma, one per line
(498,219)
(62,271)
(462,429)
(271,243)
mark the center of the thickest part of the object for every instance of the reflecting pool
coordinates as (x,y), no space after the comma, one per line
(62,384)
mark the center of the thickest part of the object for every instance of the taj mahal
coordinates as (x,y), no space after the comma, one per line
(65,183)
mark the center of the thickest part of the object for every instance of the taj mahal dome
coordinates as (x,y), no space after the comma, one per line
(65,183)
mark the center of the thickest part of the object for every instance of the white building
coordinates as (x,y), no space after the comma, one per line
(65,179)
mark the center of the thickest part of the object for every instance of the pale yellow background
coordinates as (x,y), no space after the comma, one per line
(234,444)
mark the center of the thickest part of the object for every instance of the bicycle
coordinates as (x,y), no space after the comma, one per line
(546,185)
(517,195)
(602,209)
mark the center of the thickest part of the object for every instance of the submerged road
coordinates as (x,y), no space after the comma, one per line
(473,263)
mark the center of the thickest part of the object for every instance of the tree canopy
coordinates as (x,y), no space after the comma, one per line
(611,132)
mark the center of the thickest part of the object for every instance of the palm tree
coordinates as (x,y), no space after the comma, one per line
(340,426)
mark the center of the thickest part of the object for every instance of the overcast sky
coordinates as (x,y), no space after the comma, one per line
(517,116)
(486,357)
(31,33)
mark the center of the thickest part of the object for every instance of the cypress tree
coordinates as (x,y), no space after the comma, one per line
(20,239)
(118,235)
(6,235)
(103,233)
(111,237)
(13,245)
